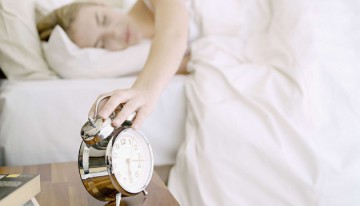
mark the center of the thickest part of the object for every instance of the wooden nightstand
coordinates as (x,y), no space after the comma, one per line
(61,185)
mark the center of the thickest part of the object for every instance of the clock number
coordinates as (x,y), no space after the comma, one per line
(139,165)
(136,174)
(117,146)
(123,141)
(135,147)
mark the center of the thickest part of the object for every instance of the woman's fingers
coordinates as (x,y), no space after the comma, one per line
(131,100)
(126,110)
(117,98)
(140,117)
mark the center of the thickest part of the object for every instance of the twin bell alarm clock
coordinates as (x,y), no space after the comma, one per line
(114,162)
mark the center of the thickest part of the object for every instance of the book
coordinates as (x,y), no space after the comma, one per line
(32,202)
(19,189)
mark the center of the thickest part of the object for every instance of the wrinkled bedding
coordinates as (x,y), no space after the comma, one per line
(273,107)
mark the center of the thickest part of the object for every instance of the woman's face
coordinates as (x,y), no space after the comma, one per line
(105,27)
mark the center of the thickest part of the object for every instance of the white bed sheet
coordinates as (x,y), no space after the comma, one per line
(40,121)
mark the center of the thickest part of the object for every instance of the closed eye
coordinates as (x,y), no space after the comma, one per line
(98,43)
(105,20)
(97,18)
(101,20)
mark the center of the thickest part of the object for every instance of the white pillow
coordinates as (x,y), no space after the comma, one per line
(20,49)
(69,61)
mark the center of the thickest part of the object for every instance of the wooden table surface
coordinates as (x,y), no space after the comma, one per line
(61,185)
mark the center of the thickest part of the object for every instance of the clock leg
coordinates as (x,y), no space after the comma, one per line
(145,192)
(118,198)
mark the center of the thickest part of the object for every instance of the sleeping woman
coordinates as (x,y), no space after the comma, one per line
(261,135)
(102,26)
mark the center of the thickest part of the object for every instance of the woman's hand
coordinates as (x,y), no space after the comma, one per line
(141,100)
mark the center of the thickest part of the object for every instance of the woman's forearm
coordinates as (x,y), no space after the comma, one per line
(165,57)
(168,45)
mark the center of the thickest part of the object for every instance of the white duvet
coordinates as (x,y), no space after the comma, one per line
(273,107)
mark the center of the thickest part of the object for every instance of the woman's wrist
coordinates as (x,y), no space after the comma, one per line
(155,85)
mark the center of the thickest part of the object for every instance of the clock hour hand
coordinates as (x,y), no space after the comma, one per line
(129,169)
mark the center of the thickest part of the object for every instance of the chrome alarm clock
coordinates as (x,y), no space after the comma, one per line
(114,162)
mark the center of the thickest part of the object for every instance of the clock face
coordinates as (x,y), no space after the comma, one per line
(132,160)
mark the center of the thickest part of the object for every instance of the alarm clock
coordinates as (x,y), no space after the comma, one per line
(114,162)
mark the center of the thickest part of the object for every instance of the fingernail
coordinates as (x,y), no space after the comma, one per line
(135,126)
(114,124)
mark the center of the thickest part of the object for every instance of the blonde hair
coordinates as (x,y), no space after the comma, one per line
(63,16)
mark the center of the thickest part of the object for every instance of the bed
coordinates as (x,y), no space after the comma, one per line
(270,114)
(41,120)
